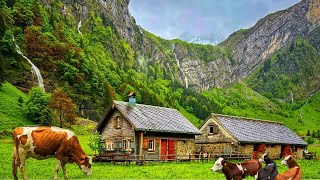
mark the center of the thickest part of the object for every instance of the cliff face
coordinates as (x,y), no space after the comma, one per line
(271,33)
(249,48)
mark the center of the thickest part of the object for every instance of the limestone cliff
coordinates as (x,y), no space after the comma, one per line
(248,48)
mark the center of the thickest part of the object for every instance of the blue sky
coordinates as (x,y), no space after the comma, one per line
(214,18)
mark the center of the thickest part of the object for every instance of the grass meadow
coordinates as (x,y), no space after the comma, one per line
(43,169)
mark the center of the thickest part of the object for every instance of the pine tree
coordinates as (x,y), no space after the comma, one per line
(308,133)
(313,134)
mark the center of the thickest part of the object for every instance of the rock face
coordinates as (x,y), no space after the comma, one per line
(249,48)
(273,32)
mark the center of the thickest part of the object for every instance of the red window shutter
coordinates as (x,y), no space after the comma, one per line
(145,144)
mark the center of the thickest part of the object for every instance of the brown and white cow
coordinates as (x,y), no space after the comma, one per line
(294,171)
(45,142)
(236,171)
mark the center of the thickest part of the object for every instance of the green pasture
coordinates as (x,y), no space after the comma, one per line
(43,169)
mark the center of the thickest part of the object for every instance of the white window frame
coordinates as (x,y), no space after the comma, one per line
(124,144)
(118,122)
(152,145)
(109,145)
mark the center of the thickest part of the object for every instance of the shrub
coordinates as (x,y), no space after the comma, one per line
(37,107)
(310,140)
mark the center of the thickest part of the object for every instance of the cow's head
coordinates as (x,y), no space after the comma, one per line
(218,165)
(265,158)
(285,161)
(86,166)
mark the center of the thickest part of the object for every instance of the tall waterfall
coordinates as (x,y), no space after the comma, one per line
(79,25)
(179,66)
(34,69)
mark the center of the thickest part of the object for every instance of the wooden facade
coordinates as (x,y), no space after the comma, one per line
(121,136)
(220,137)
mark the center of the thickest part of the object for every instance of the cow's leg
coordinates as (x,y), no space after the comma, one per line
(64,170)
(56,169)
(22,158)
(14,163)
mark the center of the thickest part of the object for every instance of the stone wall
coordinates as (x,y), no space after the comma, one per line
(184,148)
(299,153)
(213,148)
(220,134)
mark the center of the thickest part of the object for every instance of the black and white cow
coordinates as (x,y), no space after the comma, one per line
(270,171)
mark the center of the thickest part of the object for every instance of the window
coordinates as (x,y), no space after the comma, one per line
(109,145)
(117,122)
(124,144)
(211,129)
(151,145)
(131,142)
(117,144)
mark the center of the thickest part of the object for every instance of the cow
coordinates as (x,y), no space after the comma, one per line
(270,171)
(294,171)
(46,142)
(236,171)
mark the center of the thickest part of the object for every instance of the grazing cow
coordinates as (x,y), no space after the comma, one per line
(45,142)
(294,171)
(236,171)
(270,171)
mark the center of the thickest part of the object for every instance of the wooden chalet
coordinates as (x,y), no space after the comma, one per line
(222,134)
(148,132)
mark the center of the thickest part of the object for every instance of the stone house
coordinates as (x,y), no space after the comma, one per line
(223,134)
(145,131)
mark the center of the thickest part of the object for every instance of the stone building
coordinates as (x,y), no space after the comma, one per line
(222,134)
(147,131)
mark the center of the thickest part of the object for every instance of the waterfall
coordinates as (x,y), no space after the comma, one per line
(34,69)
(179,66)
(79,25)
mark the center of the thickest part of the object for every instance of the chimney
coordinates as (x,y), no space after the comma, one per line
(132,99)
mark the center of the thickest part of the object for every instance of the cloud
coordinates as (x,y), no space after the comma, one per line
(170,18)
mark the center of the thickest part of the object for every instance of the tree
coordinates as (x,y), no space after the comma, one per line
(63,105)
(37,107)
(95,142)
(313,134)
(308,133)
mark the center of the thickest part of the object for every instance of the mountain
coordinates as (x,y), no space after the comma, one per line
(201,39)
(95,51)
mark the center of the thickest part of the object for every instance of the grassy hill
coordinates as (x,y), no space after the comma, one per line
(11,114)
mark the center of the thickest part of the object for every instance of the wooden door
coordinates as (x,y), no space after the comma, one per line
(285,151)
(164,148)
(171,149)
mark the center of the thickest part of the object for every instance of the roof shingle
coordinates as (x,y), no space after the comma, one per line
(154,118)
(252,130)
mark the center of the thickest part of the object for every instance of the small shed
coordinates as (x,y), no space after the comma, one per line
(223,134)
(146,131)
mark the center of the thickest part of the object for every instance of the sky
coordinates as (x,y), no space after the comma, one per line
(214,19)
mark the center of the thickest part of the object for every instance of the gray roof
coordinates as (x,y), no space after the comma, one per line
(247,130)
(154,118)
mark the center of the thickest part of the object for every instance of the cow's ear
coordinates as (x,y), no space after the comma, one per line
(86,159)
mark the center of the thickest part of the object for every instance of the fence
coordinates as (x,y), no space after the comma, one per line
(141,159)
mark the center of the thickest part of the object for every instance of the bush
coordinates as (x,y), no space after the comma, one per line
(310,140)
(37,107)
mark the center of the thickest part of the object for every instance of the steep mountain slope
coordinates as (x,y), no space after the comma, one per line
(95,51)
(249,47)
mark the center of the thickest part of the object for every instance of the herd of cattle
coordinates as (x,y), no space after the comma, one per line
(45,142)
(254,168)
